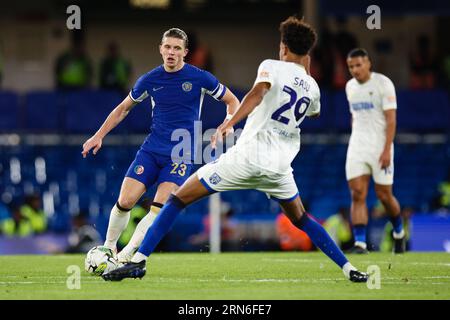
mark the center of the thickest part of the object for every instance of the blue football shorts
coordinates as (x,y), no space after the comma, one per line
(149,167)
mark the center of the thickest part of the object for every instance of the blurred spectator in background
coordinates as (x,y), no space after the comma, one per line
(83,236)
(1,66)
(339,228)
(322,64)
(423,64)
(291,238)
(227,230)
(16,225)
(73,68)
(199,54)
(32,210)
(344,42)
(4,212)
(445,71)
(137,213)
(441,202)
(115,70)
(387,243)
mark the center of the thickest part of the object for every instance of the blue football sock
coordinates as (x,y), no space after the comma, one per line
(359,232)
(321,239)
(397,223)
(162,225)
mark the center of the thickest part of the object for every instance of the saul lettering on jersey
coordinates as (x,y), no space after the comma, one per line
(271,136)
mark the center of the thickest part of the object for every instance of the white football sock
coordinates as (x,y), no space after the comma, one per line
(399,235)
(138,257)
(347,268)
(138,235)
(118,221)
(361,244)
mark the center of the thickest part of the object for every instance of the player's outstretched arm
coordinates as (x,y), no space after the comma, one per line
(232,104)
(251,100)
(113,119)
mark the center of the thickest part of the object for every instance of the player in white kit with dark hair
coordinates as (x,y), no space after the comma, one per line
(282,96)
(373,105)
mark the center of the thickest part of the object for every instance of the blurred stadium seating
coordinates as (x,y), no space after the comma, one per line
(84,111)
(93,184)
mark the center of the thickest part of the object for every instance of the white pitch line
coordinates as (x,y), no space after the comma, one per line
(428,264)
(31,282)
(290,260)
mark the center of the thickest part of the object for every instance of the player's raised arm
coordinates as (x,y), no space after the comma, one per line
(251,100)
(114,118)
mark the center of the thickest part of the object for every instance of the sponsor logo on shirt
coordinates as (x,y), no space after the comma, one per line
(391,99)
(362,106)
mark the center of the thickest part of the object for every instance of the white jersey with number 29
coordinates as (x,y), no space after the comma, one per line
(271,136)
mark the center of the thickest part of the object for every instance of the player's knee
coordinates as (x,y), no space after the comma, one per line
(358,194)
(126,203)
(384,195)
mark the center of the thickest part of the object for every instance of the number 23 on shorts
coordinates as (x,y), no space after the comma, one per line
(179,169)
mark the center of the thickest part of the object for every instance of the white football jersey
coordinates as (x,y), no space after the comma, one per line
(271,136)
(367,102)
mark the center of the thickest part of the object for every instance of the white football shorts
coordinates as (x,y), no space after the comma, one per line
(363,163)
(224,174)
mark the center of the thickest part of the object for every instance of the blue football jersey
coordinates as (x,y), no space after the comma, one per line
(176,99)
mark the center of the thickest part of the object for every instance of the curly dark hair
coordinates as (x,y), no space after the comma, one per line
(297,35)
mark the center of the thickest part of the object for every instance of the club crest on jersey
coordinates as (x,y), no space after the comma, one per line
(187,86)
(215,178)
(139,169)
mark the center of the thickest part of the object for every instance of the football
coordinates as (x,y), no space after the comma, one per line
(100,260)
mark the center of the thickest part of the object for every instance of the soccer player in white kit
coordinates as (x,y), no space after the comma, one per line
(372,100)
(282,96)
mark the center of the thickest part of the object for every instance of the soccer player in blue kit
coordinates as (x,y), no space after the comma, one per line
(176,90)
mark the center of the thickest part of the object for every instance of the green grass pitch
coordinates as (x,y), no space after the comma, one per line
(232,276)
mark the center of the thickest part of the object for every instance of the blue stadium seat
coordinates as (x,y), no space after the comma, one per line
(10,112)
(44,111)
(423,110)
(342,119)
(86,110)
